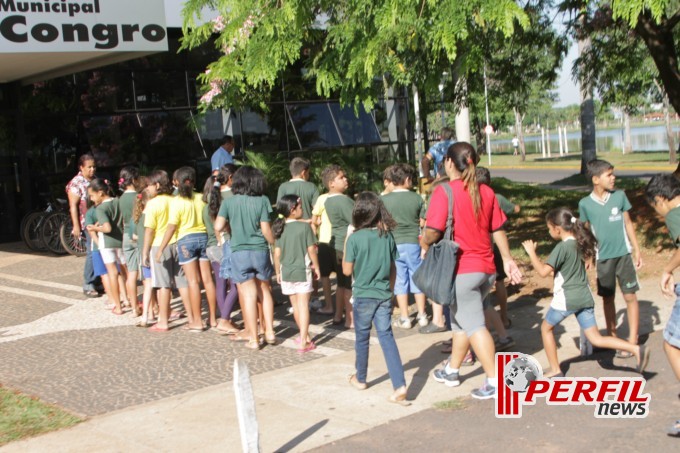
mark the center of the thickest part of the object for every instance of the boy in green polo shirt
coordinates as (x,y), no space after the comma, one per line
(663,193)
(299,185)
(339,207)
(605,211)
(407,208)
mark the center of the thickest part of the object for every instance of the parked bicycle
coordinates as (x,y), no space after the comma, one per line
(49,229)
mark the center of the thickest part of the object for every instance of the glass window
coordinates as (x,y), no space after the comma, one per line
(264,132)
(314,125)
(354,129)
(160,89)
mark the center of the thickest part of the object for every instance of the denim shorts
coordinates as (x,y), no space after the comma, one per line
(584,316)
(672,331)
(407,263)
(192,247)
(249,264)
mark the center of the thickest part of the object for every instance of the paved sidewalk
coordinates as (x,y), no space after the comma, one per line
(309,404)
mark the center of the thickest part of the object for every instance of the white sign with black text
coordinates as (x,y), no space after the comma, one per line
(82,26)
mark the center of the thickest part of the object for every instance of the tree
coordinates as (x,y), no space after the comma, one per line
(345,46)
(523,69)
(619,67)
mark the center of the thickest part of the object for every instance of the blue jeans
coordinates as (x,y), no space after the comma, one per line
(367,311)
(89,279)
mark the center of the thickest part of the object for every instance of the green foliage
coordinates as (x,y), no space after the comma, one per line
(630,10)
(343,45)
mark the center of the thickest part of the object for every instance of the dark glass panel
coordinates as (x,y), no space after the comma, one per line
(354,129)
(314,125)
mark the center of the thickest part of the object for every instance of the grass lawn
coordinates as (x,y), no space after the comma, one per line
(653,161)
(23,416)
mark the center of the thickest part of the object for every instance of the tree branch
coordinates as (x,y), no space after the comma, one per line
(672,21)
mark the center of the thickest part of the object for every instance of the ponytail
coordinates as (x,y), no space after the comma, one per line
(220,179)
(102,185)
(465,159)
(565,219)
(128,176)
(186,180)
(284,207)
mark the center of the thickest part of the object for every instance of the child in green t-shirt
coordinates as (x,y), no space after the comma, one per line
(663,193)
(605,212)
(299,185)
(369,257)
(571,293)
(294,252)
(338,207)
(407,208)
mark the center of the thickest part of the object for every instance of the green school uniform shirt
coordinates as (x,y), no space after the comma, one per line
(570,290)
(307,192)
(406,208)
(339,209)
(372,255)
(244,214)
(91,219)
(209,227)
(606,222)
(109,212)
(226,193)
(127,203)
(139,231)
(673,224)
(295,261)
(507,206)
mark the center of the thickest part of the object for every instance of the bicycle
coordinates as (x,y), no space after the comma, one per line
(50,229)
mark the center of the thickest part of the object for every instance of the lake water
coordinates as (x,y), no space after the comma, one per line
(647,138)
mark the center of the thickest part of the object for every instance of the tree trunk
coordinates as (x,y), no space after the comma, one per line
(588,149)
(659,40)
(519,131)
(672,155)
(627,139)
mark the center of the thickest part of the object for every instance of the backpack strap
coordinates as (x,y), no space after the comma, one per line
(448,234)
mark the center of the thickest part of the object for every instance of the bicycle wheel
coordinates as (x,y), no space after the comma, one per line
(72,245)
(22,225)
(32,231)
(50,232)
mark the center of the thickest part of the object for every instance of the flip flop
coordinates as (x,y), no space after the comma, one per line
(176,315)
(354,382)
(155,328)
(122,312)
(237,337)
(226,332)
(400,400)
(326,313)
(309,348)
(674,429)
(624,355)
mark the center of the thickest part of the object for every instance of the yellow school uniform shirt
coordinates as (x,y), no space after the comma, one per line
(325,229)
(156,216)
(187,215)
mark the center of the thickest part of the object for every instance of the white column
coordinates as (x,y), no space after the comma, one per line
(543,142)
(566,146)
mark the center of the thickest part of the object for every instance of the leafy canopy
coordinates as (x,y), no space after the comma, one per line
(343,45)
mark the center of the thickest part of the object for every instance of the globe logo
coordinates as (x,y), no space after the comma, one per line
(521,371)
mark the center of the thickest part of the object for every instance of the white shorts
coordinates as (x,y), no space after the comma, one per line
(292,288)
(110,256)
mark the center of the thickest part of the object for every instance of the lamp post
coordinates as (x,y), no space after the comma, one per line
(488,129)
(441,98)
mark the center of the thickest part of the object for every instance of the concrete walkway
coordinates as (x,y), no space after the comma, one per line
(310,405)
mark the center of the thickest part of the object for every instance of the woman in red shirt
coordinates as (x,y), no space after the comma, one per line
(476,218)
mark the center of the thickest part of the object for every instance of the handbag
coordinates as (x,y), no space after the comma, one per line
(435,276)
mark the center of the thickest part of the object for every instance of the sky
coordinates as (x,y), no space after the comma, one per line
(566,88)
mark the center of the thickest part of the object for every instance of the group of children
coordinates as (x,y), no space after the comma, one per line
(161,231)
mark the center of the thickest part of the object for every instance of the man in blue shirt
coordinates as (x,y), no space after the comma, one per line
(437,153)
(222,155)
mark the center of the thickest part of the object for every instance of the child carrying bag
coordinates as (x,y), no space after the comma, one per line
(435,276)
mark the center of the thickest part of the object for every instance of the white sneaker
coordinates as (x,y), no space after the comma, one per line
(291,310)
(403,323)
(422,319)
